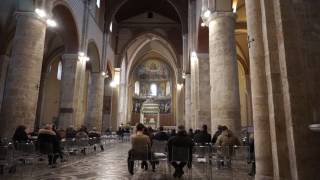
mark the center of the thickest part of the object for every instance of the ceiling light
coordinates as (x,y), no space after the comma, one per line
(103,73)
(40,12)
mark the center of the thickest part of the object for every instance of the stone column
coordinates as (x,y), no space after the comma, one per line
(204,92)
(259,91)
(187,112)
(68,98)
(4,62)
(95,101)
(225,100)
(24,72)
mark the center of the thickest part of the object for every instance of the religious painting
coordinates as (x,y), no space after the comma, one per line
(153,70)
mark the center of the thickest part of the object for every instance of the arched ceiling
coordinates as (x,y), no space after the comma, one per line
(135,7)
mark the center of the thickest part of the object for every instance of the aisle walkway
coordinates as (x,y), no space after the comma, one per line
(111,165)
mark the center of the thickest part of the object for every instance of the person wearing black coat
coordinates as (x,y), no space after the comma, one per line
(161,135)
(203,136)
(20,135)
(49,144)
(184,141)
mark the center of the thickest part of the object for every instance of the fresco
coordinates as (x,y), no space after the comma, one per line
(153,70)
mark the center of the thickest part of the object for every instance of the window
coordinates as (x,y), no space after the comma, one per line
(98,3)
(153,89)
(59,72)
(168,90)
(137,88)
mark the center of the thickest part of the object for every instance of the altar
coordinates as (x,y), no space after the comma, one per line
(150,114)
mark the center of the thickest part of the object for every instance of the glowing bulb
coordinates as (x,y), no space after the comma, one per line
(81,54)
(207,14)
(103,73)
(51,23)
(41,12)
(203,24)
(113,84)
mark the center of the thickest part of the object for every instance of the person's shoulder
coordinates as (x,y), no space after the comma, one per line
(47,132)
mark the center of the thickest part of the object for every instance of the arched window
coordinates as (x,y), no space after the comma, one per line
(59,72)
(153,89)
(168,89)
(137,88)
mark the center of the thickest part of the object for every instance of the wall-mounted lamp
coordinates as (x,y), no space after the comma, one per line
(183,75)
(42,14)
(82,57)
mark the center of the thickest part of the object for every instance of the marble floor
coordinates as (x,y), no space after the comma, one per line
(111,165)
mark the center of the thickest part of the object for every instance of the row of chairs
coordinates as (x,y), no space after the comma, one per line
(207,157)
(26,155)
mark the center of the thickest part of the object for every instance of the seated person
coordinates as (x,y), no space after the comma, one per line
(70,133)
(161,135)
(203,136)
(49,144)
(96,135)
(82,135)
(180,140)
(20,135)
(139,140)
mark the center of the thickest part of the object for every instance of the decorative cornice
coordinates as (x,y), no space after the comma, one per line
(215,15)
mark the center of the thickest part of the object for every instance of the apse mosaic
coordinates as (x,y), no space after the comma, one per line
(153,70)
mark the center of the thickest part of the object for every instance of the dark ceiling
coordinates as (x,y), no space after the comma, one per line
(136,7)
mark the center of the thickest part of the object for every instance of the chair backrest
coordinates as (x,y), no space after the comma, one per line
(140,153)
(159,146)
(25,147)
(181,154)
(202,150)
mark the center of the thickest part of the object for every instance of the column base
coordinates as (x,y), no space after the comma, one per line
(262,177)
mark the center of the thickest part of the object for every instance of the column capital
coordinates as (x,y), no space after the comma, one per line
(69,57)
(215,15)
(30,14)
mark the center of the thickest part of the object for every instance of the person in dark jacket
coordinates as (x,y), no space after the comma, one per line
(20,135)
(161,135)
(49,144)
(184,141)
(173,133)
(203,136)
(71,133)
(190,133)
(95,135)
(218,133)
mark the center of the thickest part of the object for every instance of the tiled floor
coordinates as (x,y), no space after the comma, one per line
(111,165)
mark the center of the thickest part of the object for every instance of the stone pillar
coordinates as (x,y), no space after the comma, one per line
(68,98)
(95,101)
(107,105)
(194,69)
(225,100)
(204,116)
(259,91)
(187,112)
(4,62)
(24,72)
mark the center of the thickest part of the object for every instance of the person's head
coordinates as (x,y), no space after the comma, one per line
(205,128)
(220,128)
(160,128)
(48,127)
(173,131)
(94,129)
(224,128)
(191,130)
(140,127)
(181,128)
(21,128)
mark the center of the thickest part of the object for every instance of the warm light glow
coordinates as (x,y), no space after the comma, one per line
(82,57)
(103,73)
(51,23)
(193,54)
(234,6)
(207,14)
(203,24)
(117,76)
(81,54)
(113,84)
(98,3)
(40,13)
(110,28)
(179,86)
(183,75)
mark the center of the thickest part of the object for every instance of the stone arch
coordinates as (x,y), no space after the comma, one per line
(94,55)
(67,27)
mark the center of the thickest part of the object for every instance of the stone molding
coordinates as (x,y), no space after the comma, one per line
(216,15)
(30,14)
(69,57)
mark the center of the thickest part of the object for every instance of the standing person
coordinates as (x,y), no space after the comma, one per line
(48,143)
(227,141)
(184,141)
(173,133)
(59,138)
(138,142)
(203,136)
(252,157)
(217,133)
